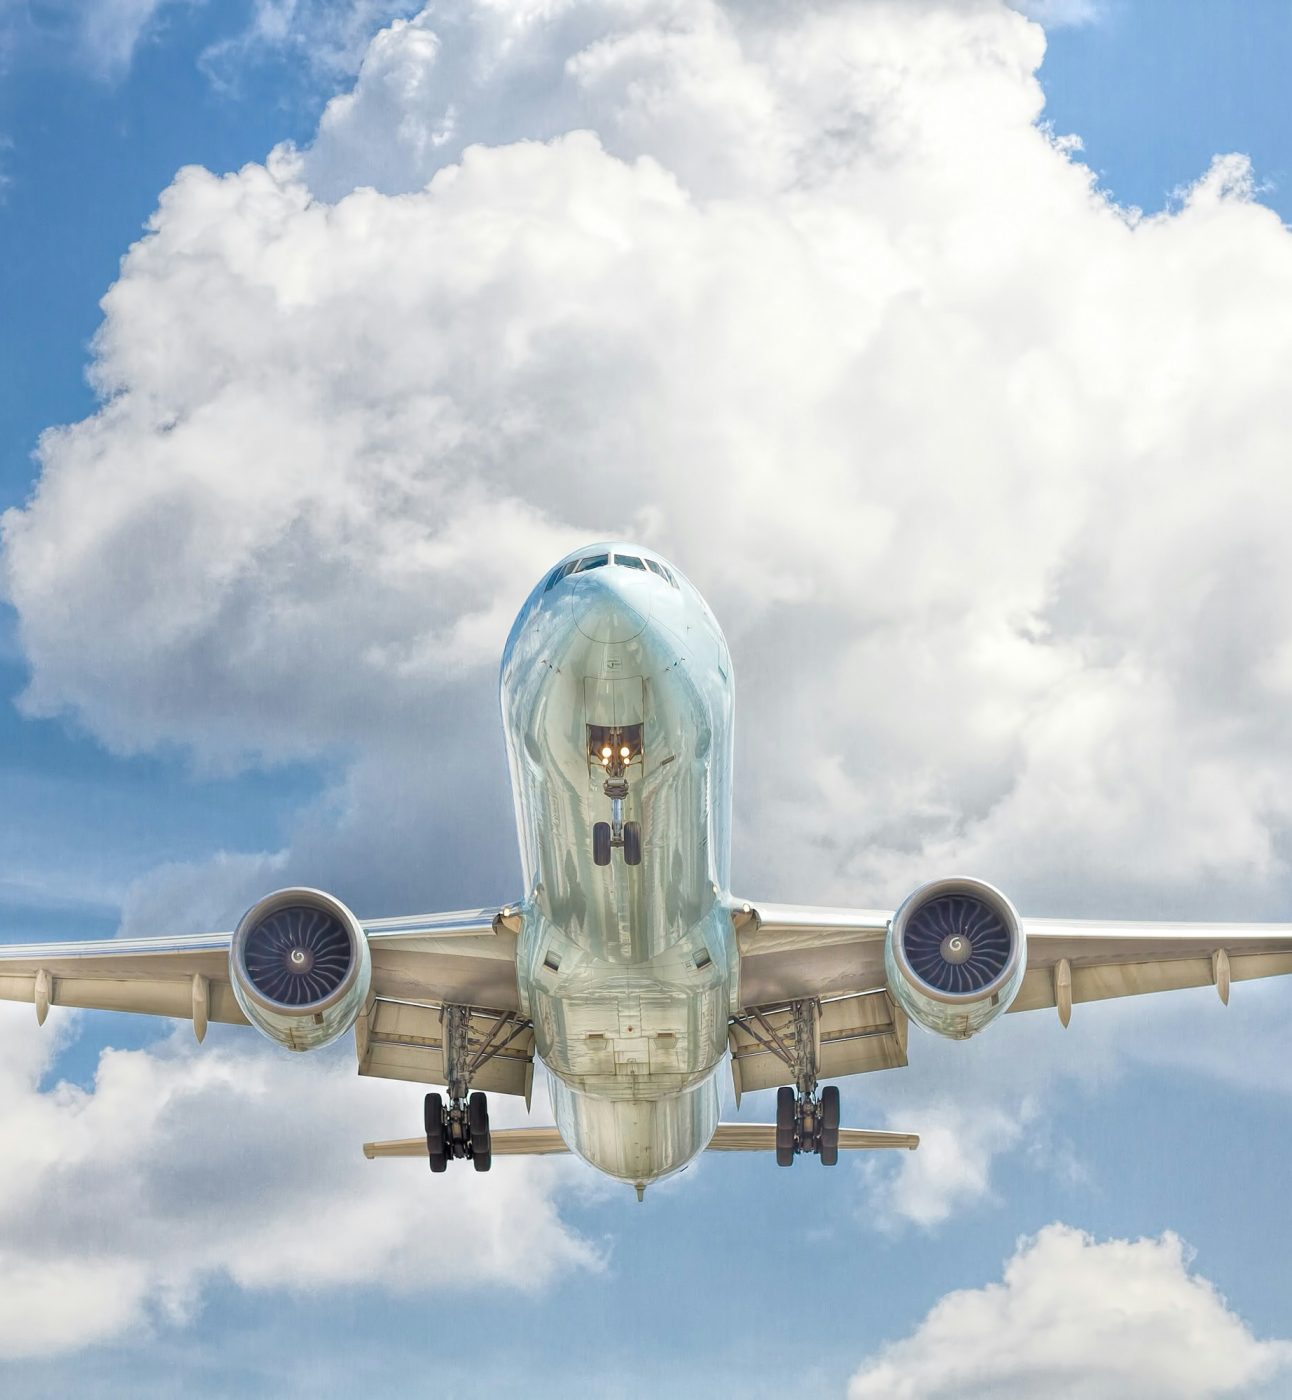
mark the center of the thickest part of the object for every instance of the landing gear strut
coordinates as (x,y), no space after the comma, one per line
(459,1125)
(806,1121)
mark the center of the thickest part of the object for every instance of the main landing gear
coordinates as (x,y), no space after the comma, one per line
(457,1123)
(614,750)
(459,1128)
(806,1122)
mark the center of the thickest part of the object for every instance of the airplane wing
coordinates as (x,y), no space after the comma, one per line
(419,964)
(791,953)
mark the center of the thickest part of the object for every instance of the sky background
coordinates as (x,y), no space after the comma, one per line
(945,348)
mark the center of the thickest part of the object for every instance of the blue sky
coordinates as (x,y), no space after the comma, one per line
(1122,757)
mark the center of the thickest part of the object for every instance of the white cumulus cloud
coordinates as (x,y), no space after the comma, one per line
(1075,1318)
(998,466)
(181,1167)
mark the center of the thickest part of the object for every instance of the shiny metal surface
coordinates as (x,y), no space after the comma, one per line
(628,971)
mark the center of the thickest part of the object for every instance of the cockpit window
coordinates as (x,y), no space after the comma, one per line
(559,573)
(598,561)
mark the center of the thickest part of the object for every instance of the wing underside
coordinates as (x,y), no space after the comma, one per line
(419,965)
(834,958)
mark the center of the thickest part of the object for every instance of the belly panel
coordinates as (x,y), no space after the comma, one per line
(637,1140)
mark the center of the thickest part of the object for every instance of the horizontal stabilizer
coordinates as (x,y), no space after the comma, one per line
(503,1142)
(730,1137)
(761,1137)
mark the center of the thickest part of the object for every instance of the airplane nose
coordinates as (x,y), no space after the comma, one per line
(609,608)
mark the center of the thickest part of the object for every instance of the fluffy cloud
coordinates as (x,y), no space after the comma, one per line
(988,454)
(1056,13)
(1079,1319)
(180,1167)
(323,37)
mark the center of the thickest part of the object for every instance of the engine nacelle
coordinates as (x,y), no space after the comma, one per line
(955,956)
(300,968)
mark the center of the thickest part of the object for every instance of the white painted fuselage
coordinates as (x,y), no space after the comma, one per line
(627,971)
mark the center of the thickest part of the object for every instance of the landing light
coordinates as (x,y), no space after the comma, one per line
(605,753)
(623,753)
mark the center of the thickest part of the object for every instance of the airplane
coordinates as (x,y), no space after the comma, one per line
(626,967)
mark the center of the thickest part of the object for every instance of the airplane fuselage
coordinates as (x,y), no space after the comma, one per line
(616,679)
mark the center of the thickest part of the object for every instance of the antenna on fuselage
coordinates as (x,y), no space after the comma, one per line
(641,1190)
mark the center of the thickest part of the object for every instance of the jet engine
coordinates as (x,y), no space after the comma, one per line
(300,968)
(955,956)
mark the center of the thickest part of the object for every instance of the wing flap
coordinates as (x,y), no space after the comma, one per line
(405,1040)
(855,1035)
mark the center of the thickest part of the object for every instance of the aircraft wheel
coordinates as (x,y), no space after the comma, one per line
(786,1112)
(433,1120)
(478,1122)
(478,1119)
(433,1115)
(632,843)
(601,843)
(830,1125)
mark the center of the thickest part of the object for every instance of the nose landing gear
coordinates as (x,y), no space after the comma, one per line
(614,750)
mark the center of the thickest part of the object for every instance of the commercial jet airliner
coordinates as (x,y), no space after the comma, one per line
(625,965)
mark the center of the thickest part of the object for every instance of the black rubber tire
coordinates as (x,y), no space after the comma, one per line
(786,1114)
(433,1112)
(632,843)
(478,1120)
(601,843)
(830,1125)
(433,1121)
(481,1161)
